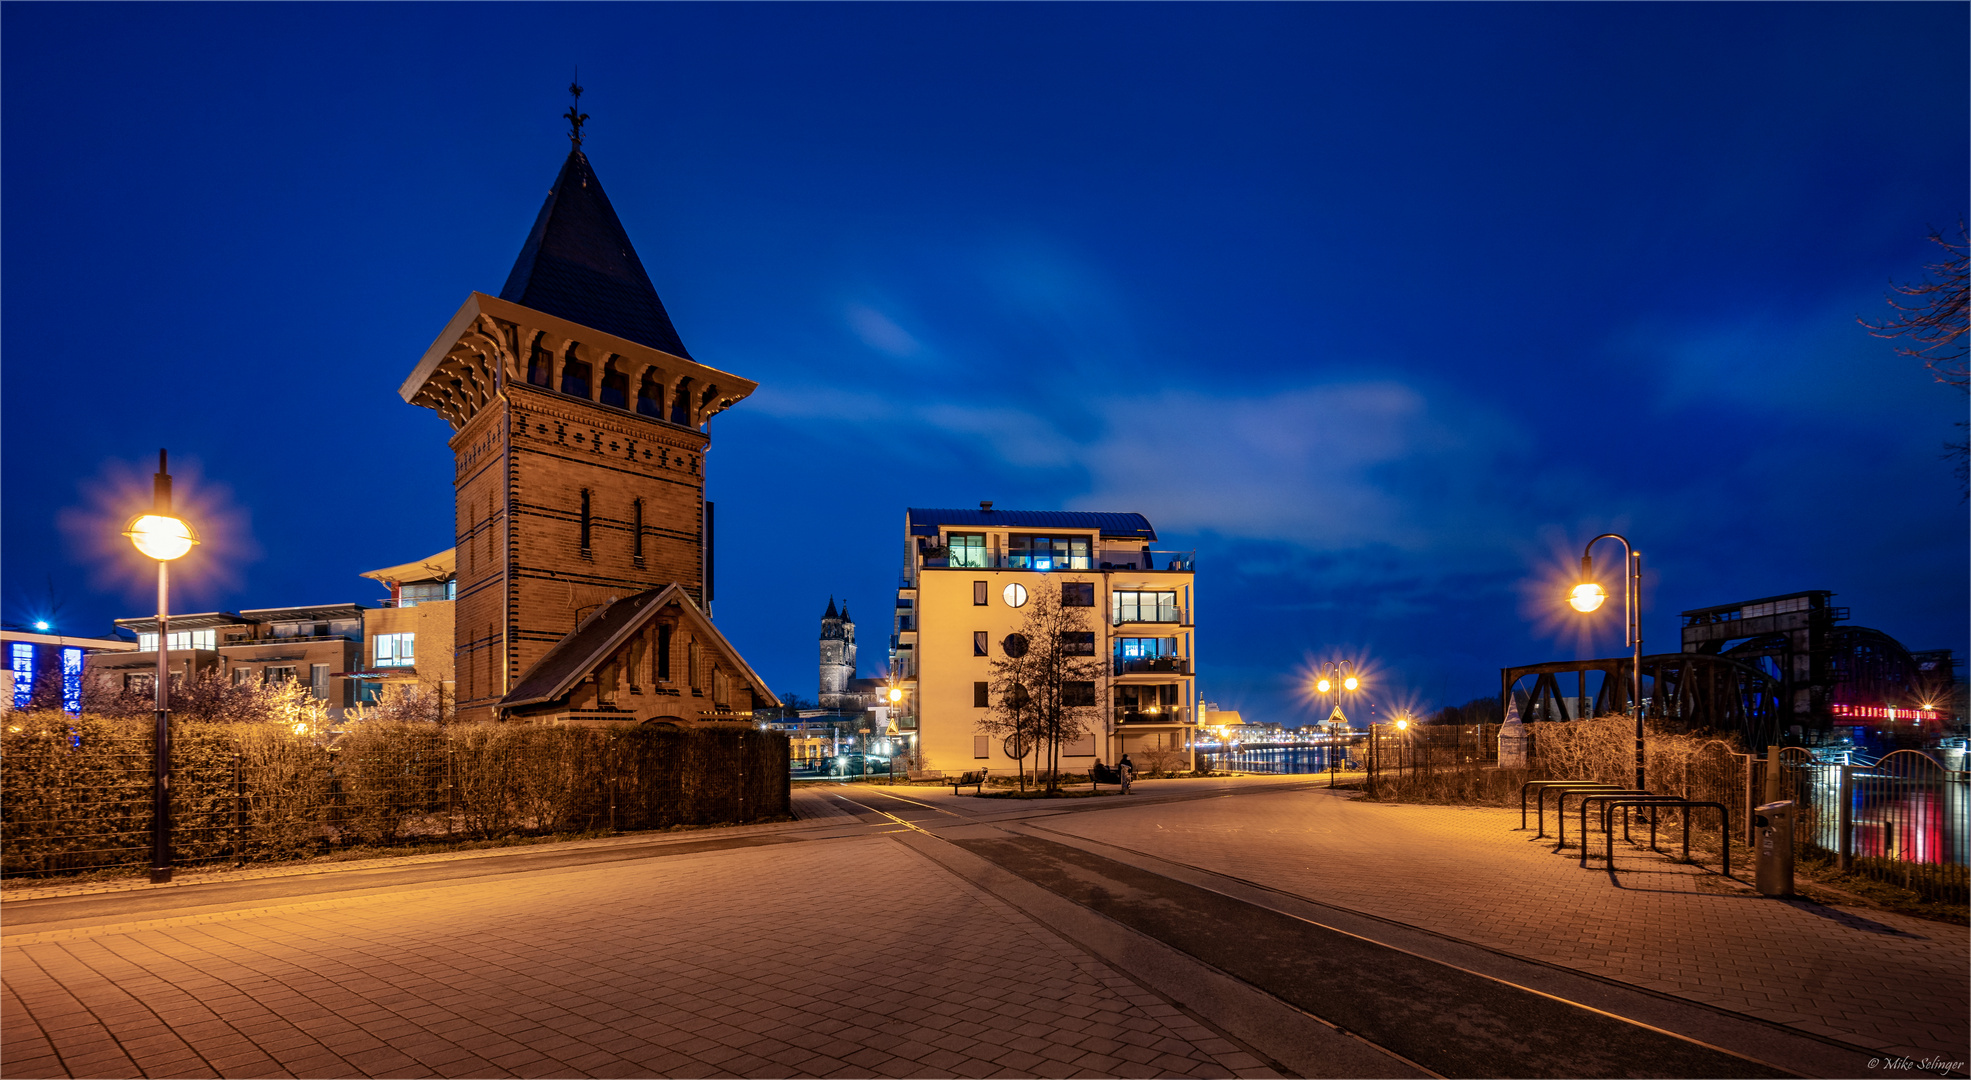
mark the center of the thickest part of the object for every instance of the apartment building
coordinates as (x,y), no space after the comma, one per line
(317,644)
(408,641)
(967,576)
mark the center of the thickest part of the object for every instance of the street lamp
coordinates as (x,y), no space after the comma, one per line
(1587,596)
(1337,675)
(896,702)
(164,537)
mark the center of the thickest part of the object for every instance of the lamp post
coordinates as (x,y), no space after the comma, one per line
(1338,675)
(1587,596)
(161,536)
(896,702)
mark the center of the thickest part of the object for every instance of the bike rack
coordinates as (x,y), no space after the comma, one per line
(1638,798)
(1608,836)
(1544,786)
(1560,810)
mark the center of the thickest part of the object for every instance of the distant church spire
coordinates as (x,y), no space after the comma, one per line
(575,116)
(830,613)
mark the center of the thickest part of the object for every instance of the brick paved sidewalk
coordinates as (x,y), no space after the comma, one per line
(845,958)
(1874,979)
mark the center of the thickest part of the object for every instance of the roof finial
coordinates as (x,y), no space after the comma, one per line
(575,116)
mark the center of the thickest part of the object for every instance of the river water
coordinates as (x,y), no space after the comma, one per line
(1275,759)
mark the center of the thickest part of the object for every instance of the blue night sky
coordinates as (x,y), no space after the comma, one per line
(1384,310)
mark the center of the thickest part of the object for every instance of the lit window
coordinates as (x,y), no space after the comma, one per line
(72,680)
(396,650)
(1145,606)
(278,675)
(968,549)
(1048,552)
(23,663)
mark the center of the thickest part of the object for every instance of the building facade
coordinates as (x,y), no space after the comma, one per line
(320,645)
(967,575)
(579,440)
(46,670)
(407,641)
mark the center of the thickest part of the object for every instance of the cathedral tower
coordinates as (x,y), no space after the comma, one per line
(579,439)
(837,656)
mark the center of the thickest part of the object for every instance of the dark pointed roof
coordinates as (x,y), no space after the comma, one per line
(830,613)
(845,612)
(578,264)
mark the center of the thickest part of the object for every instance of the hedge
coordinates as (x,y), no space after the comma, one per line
(75,792)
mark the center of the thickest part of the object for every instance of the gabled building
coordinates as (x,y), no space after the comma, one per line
(579,440)
(966,575)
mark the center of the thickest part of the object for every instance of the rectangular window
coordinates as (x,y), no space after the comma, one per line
(139,684)
(1144,606)
(1077,693)
(981,746)
(978,594)
(979,644)
(903,621)
(318,681)
(586,520)
(663,653)
(1047,553)
(424,593)
(719,684)
(981,696)
(275,676)
(1145,648)
(72,680)
(1078,642)
(1077,594)
(23,665)
(243,675)
(967,549)
(396,650)
(636,544)
(180,640)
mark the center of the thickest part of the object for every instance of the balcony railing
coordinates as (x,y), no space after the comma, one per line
(1170,714)
(1151,665)
(1182,561)
(1160,614)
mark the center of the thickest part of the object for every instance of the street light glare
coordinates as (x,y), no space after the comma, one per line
(1587,596)
(1324,686)
(896,695)
(1350,683)
(161,536)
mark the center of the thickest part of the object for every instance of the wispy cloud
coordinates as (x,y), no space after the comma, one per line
(880,332)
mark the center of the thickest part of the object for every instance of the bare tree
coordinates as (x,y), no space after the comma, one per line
(1050,679)
(1930,318)
(1012,713)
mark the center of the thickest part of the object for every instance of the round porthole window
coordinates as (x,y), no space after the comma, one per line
(1016,595)
(1015,645)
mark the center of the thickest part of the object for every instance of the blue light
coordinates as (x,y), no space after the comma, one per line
(72,680)
(41,625)
(23,664)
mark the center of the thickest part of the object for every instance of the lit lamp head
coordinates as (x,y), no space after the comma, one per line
(896,695)
(1403,725)
(1324,686)
(161,536)
(1350,683)
(1587,596)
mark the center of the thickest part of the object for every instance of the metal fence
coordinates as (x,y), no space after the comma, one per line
(1904,820)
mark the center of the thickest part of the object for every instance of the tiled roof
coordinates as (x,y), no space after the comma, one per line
(598,636)
(925,522)
(578,264)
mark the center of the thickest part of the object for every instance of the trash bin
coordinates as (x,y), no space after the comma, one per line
(1772,832)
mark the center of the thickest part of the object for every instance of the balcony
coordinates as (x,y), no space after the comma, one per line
(1177,561)
(1173,714)
(1160,615)
(1151,665)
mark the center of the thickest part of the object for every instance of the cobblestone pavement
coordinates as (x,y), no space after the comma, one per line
(851,957)
(1869,978)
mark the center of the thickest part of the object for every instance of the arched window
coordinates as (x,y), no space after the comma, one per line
(540,366)
(681,405)
(575,378)
(615,386)
(650,396)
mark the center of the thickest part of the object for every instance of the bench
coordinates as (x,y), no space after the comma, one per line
(976,779)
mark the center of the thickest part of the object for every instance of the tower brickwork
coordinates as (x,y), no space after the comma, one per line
(579,443)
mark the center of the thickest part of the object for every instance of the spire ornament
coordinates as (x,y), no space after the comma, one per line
(575,116)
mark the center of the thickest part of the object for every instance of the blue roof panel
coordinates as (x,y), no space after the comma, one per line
(925,522)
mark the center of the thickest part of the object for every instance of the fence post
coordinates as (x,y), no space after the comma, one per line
(239,806)
(1846,835)
(451,785)
(1751,799)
